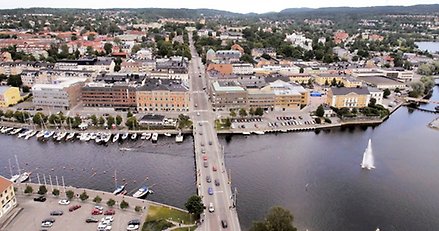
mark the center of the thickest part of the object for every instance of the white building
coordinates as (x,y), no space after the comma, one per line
(299,40)
(7,196)
(63,93)
(242,68)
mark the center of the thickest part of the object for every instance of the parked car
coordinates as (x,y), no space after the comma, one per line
(96,212)
(50,219)
(224,223)
(40,199)
(74,207)
(64,202)
(217,183)
(109,212)
(56,213)
(91,220)
(46,224)
(208,179)
(99,207)
(214,168)
(134,222)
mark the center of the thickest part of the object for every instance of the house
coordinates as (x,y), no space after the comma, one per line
(258,52)
(328,112)
(227,56)
(288,96)
(237,47)
(340,36)
(351,97)
(162,95)
(206,33)
(222,69)
(228,95)
(7,196)
(9,96)
(377,94)
(152,120)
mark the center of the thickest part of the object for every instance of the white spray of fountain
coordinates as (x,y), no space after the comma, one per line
(368,162)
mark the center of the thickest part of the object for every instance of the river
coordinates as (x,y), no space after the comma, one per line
(317,176)
(429,46)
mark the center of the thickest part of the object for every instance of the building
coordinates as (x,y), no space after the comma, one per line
(261,98)
(227,95)
(352,97)
(97,65)
(242,68)
(288,96)
(299,40)
(9,96)
(49,75)
(7,196)
(399,74)
(152,120)
(258,52)
(227,56)
(382,82)
(377,94)
(115,95)
(62,93)
(162,95)
(222,69)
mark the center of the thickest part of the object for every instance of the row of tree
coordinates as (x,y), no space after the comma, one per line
(252,112)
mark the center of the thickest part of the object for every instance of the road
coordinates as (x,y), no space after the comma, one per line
(207,146)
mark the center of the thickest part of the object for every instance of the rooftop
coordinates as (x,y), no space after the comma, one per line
(3,89)
(4,184)
(347,90)
(227,86)
(60,83)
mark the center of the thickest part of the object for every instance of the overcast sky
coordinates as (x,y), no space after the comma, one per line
(241,6)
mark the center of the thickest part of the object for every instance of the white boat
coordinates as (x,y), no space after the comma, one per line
(141,192)
(40,134)
(125,136)
(148,136)
(48,134)
(15,177)
(61,136)
(143,136)
(6,130)
(368,160)
(259,132)
(179,138)
(115,137)
(167,134)
(155,137)
(15,131)
(246,133)
(119,189)
(70,136)
(24,177)
(93,136)
(24,134)
(28,136)
(106,138)
(134,136)
(98,139)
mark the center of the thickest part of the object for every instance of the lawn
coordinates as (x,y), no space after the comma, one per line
(192,228)
(160,212)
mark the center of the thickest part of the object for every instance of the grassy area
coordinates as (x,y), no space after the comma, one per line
(192,228)
(222,124)
(159,212)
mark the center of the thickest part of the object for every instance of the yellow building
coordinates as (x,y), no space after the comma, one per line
(162,95)
(348,97)
(7,196)
(288,96)
(9,96)
(347,80)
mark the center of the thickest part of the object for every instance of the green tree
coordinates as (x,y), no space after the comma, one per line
(259,111)
(111,202)
(110,120)
(132,123)
(94,119)
(70,194)
(42,190)
(15,81)
(118,120)
(138,209)
(277,219)
(251,111)
(39,118)
(55,192)
(194,205)
(301,70)
(28,189)
(124,204)
(97,199)
(108,48)
(9,114)
(326,83)
(232,113)
(334,82)
(84,196)
(386,93)
(242,112)
(101,121)
(372,102)
(320,112)
(129,114)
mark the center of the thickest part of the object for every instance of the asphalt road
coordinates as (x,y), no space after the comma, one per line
(206,143)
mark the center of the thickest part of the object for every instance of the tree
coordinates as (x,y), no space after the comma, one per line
(301,70)
(84,196)
(110,120)
(326,83)
(108,47)
(386,93)
(28,189)
(118,120)
(15,81)
(320,112)
(138,209)
(251,111)
(277,218)
(354,110)
(129,114)
(232,113)
(42,190)
(55,192)
(101,121)
(124,204)
(94,119)
(39,118)
(194,205)
(111,202)
(242,112)
(132,123)
(372,102)
(259,111)
(334,82)
(97,199)
(70,194)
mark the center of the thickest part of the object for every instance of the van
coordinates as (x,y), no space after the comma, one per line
(224,223)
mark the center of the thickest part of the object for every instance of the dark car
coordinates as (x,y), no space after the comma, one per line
(134,222)
(109,212)
(50,219)
(56,213)
(40,199)
(74,207)
(208,179)
(91,220)
(224,223)
(217,183)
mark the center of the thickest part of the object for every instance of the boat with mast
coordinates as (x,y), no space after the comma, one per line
(368,160)
(119,188)
(23,176)
(15,177)
(179,138)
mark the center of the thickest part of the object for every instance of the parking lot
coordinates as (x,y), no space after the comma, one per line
(34,212)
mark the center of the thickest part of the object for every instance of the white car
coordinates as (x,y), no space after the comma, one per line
(46,224)
(211,208)
(133,227)
(108,218)
(64,202)
(99,207)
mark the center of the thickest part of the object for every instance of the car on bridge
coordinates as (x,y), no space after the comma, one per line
(210,191)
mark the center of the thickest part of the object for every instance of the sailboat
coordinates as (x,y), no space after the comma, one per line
(119,188)
(15,177)
(23,176)
(179,138)
(368,161)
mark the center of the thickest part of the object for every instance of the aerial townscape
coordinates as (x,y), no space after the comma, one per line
(204,119)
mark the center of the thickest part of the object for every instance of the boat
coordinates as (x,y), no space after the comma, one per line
(143,191)
(93,136)
(119,188)
(24,133)
(40,134)
(24,177)
(436,108)
(143,136)
(155,137)
(70,136)
(48,134)
(368,160)
(148,136)
(61,136)
(134,136)
(98,139)
(15,177)
(259,132)
(125,136)
(167,134)
(179,138)
(6,130)
(15,131)
(31,134)
(246,133)
(115,137)
(106,138)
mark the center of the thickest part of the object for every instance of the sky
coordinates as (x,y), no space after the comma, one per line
(240,6)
